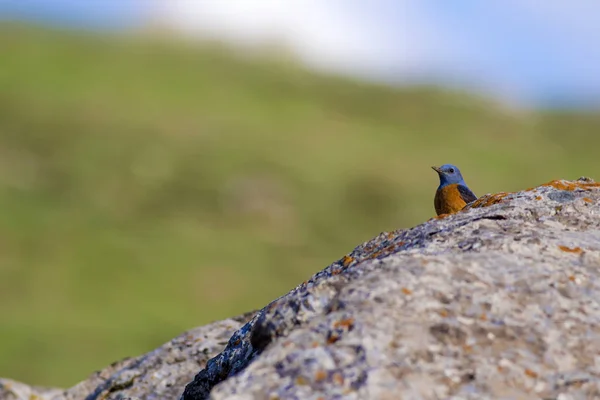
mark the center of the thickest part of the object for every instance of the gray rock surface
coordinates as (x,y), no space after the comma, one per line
(161,374)
(499,301)
(13,390)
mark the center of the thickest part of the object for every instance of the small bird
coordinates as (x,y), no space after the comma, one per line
(452,194)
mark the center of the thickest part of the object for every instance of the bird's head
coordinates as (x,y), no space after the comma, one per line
(449,174)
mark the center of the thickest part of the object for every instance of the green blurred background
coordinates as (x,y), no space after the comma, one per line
(149,186)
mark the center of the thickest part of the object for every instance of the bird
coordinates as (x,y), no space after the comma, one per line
(453,194)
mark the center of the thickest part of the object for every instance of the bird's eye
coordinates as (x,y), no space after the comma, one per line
(451,170)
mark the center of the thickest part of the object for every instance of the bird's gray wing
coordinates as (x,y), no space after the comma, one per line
(466,194)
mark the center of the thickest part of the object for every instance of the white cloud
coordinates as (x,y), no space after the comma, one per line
(348,35)
(517,48)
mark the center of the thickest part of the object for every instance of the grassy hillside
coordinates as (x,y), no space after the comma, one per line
(147,188)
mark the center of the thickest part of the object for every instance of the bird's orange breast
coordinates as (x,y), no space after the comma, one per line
(448,200)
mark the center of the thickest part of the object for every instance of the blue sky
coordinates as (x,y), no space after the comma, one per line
(525,51)
(82,13)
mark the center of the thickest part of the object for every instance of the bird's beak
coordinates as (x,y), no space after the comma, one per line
(437,169)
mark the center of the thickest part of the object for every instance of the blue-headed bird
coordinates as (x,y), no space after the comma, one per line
(453,194)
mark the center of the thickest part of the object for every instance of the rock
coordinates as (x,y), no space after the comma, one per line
(13,390)
(501,300)
(161,374)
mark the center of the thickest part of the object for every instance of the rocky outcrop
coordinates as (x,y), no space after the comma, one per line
(161,374)
(501,300)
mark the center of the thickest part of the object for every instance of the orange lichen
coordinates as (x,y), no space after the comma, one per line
(332,339)
(570,186)
(588,200)
(344,323)
(320,375)
(572,278)
(483,317)
(390,248)
(530,373)
(406,291)
(347,260)
(314,344)
(489,200)
(376,254)
(301,381)
(576,250)
(443,313)
(338,379)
